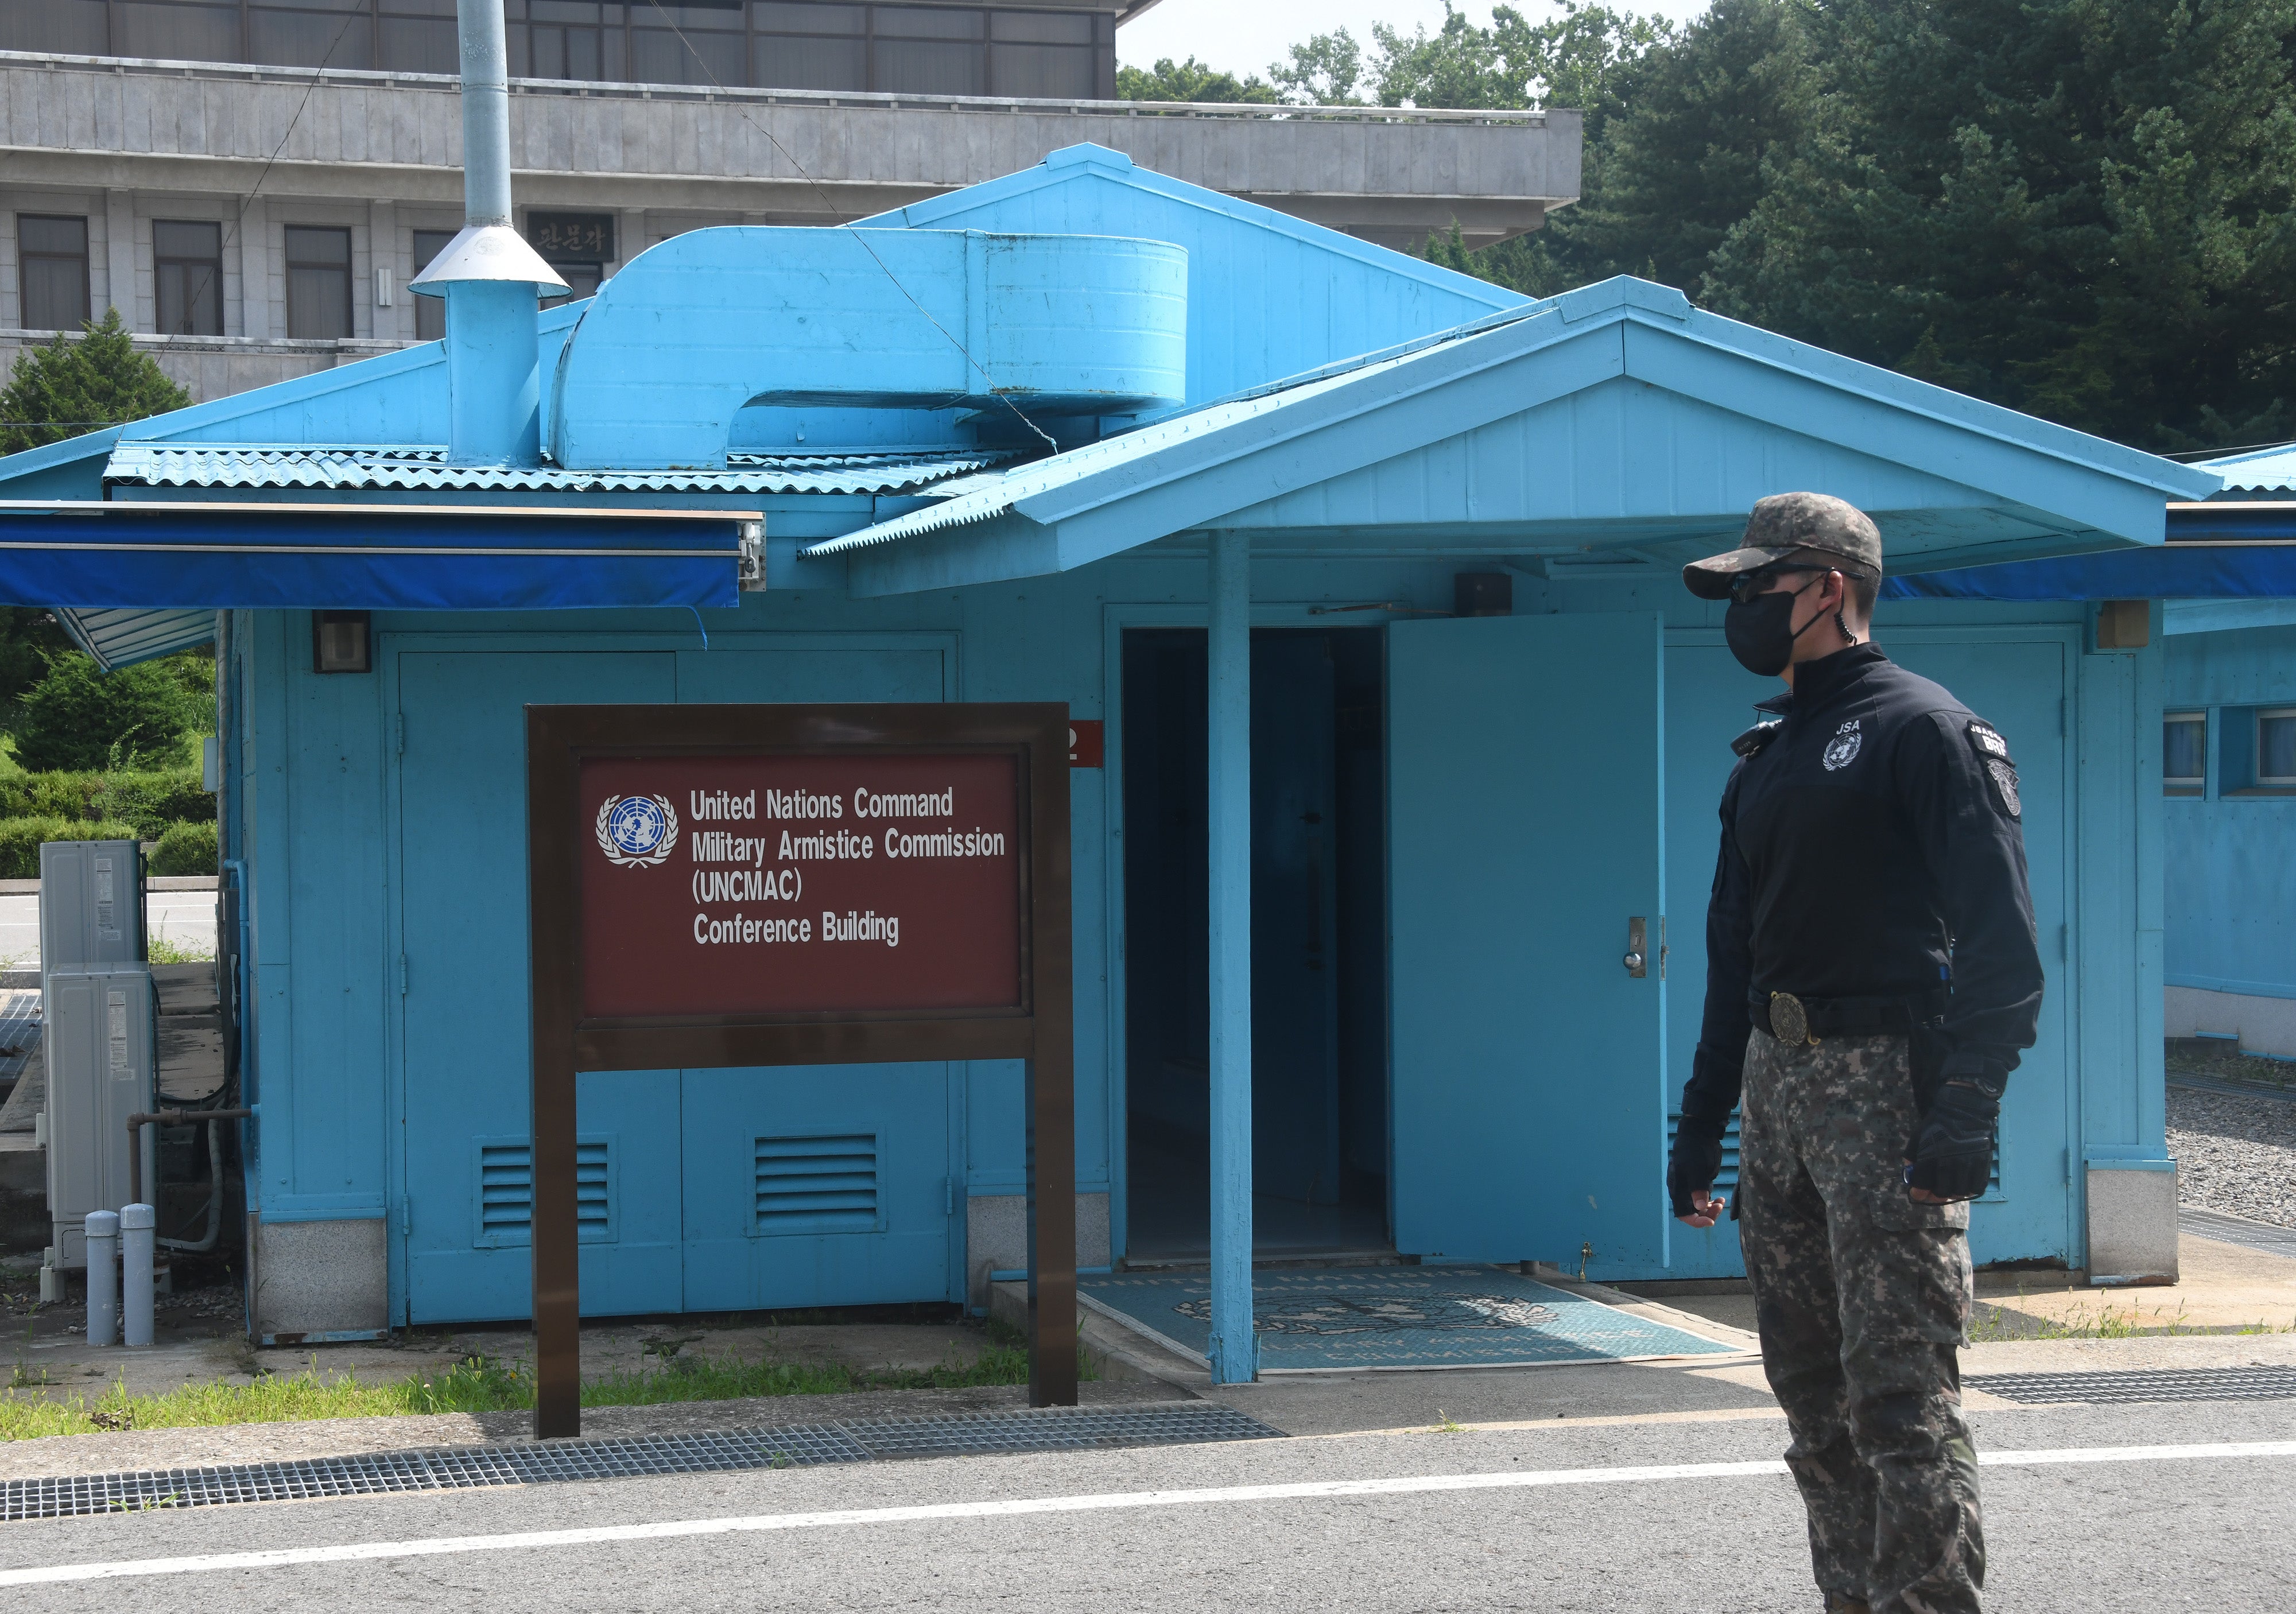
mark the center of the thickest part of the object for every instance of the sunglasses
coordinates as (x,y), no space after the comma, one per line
(1749,586)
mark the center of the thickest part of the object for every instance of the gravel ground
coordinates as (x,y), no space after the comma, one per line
(2236,1155)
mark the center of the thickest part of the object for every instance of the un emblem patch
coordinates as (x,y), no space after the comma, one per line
(636,832)
(1842,749)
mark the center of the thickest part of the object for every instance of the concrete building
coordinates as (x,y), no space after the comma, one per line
(255,216)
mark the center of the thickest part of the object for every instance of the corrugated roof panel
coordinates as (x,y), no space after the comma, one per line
(121,638)
(2269,470)
(423,466)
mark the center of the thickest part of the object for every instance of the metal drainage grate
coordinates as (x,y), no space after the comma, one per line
(1056,1430)
(2167,1384)
(465,1468)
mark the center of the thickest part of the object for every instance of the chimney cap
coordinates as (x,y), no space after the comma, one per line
(487,252)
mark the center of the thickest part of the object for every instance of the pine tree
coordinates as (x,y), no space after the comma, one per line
(72,385)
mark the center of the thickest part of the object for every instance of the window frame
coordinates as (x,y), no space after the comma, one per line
(161,262)
(2264,781)
(24,256)
(2185,785)
(291,265)
(429,311)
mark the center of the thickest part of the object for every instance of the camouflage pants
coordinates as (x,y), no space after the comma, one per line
(1862,1297)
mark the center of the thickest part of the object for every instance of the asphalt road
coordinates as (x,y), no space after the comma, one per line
(1453,1527)
(184,917)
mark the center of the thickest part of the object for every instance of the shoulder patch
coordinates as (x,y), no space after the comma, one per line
(1754,738)
(2000,768)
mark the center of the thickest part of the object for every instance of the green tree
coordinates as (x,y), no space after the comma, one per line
(1323,72)
(1191,81)
(78,718)
(71,385)
(29,639)
(2078,209)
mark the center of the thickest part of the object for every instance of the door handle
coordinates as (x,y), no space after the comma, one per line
(1638,958)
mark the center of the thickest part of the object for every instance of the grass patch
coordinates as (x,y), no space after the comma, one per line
(476,1384)
(1994,1322)
(166,950)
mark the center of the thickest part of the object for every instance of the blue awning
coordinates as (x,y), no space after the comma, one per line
(119,554)
(2172,571)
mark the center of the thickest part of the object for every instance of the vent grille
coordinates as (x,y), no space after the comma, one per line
(506,1191)
(818,1185)
(1728,1176)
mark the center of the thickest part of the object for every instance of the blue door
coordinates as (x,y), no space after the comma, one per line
(1525,831)
(462,923)
(2020,687)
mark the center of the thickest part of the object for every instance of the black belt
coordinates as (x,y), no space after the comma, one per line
(1809,1020)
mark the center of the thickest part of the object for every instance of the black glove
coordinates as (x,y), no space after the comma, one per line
(1952,1150)
(1696,1161)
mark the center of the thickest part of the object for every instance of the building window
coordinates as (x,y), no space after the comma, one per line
(318,282)
(430,312)
(187,276)
(578,245)
(2184,753)
(52,272)
(2275,748)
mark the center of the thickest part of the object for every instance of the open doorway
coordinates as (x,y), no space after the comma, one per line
(1318,960)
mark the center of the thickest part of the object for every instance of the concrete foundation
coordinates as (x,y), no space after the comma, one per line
(315,1280)
(2263,1025)
(997,1237)
(2132,1226)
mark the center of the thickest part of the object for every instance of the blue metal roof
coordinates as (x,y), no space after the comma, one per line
(2260,470)
(1611,416)
(165,464)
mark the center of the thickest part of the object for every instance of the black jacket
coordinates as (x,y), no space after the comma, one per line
(1871,847)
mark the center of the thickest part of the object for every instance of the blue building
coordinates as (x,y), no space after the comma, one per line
(1089,434)
(2229,774)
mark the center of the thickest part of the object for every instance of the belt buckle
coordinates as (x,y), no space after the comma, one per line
(1790,1020)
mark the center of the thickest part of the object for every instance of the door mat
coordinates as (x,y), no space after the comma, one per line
(1353,1319)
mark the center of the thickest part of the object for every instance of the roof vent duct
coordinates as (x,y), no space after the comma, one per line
(489,276)
(694,329)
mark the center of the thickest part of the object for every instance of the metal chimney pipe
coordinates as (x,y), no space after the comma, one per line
(485,112)
(488,274)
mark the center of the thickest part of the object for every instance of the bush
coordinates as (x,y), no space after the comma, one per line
(20,838)
(187,848)
(151,801)
(77,718)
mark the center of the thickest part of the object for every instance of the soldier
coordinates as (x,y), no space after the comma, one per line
(1871,979)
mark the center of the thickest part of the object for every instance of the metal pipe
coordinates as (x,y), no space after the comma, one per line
(103,1230)
(167,1118)
(208,1239)
(1235,1352)
(486,111)
(135,1256)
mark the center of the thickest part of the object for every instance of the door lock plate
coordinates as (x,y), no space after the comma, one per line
(1638,958)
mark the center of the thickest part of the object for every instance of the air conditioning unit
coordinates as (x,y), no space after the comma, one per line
(99,1040)
(97,1003)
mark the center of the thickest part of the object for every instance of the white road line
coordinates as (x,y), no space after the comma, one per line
(1311,1490)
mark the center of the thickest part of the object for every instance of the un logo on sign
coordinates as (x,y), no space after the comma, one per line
(636,832)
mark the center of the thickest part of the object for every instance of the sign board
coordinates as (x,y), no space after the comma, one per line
(735,884)
(714,886)
(1088,742)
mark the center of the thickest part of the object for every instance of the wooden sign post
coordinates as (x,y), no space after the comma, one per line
(719,886)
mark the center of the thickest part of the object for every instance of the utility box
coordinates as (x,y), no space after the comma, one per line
(91,905)
(101,1041)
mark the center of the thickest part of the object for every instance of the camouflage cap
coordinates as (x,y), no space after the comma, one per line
(1781,524)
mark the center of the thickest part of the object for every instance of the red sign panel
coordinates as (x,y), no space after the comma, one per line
(778,884)
(1088,742)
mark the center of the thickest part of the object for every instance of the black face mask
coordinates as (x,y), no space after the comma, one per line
(1762,633)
